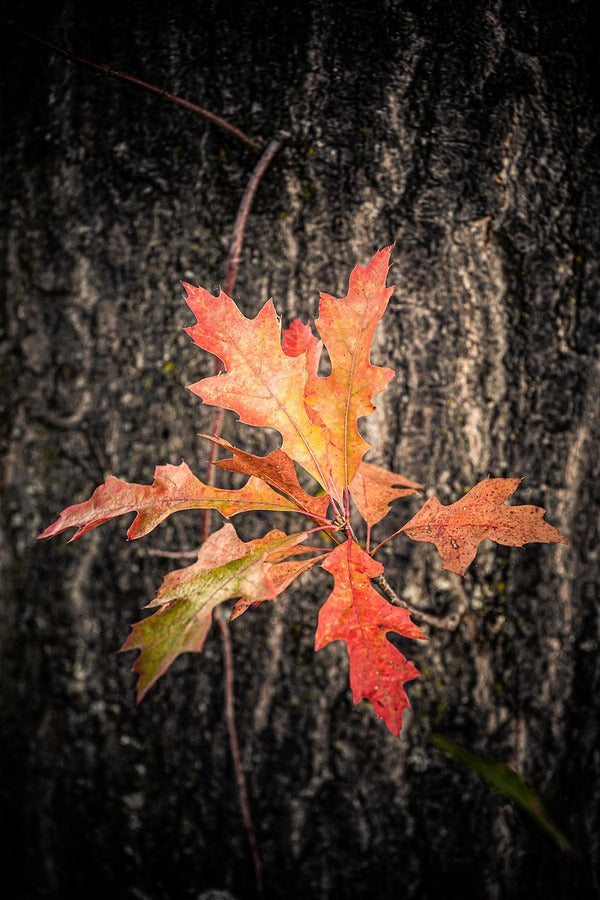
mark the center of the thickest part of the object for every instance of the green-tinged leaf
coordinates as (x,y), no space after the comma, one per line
(226,568)
(282,574)
(507,782)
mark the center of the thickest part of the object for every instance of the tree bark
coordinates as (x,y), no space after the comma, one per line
(468,135)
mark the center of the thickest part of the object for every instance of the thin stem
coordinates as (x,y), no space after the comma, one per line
(173,554)
(235,748)
(235,252)
(241,219)
(449,622)
(347,505)
(152,88)
(388,538)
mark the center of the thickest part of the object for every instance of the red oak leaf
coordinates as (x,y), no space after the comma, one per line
(355,613)
(373,489)
(457,530)
(174,488)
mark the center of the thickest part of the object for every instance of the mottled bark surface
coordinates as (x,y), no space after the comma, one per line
(468,134)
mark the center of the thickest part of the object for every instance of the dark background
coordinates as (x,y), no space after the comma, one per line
(466,133)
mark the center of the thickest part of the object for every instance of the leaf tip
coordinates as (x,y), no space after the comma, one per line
(140,693)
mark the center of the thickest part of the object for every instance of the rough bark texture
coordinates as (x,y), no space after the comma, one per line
(468,134)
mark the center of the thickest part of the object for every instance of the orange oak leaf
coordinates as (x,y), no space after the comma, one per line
(373,489)
(457,530)
(347,327)
(277,469)
(226,567)
(262,383)
(174,488)
(358,615)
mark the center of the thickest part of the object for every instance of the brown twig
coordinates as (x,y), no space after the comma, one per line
(233,262)
(152,88)
(235,251)
(239,226)
(173,554)
(449,622)
(385,541)
(234,746)
(217,423)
